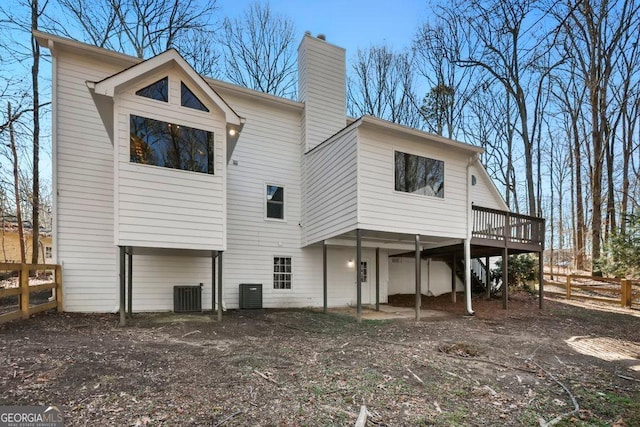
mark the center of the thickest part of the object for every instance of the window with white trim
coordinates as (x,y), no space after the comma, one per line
(275,201)
(419,175)
(281,272)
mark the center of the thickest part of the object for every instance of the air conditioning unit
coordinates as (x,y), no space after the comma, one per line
(187,299)
(250,296)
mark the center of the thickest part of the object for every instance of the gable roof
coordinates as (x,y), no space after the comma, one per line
(110,85)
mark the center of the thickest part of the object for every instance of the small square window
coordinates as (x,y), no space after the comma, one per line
(282,273)
(48,252)
(275,202)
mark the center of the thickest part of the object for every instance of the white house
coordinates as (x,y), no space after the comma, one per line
(158,173)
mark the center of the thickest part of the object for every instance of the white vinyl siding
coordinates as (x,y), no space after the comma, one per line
(84,189)
(382,208)
(330,188)
(162,207)
(267,152)
(482,194)
(321,68)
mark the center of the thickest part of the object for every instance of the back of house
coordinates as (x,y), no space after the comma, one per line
(168,172)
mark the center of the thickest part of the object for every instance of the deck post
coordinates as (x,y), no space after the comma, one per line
(213,282)
(505,277)
(324,276)
(487,276)
(453,278)
(418,278)
(123,319)
(220,286)
(359,274)
(467,276)
(377,279)
(130,281)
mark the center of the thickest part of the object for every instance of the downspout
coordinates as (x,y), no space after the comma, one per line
(467,241)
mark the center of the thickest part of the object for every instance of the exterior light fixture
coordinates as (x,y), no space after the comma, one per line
(350,263)
(232,132)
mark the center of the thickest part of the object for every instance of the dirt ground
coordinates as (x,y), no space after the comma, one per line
(302,367)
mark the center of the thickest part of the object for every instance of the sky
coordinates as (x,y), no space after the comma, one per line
(350,24)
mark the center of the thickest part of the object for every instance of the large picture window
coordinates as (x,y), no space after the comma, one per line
(158,143)
(419,175)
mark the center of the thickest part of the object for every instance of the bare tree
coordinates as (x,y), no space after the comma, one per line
(97,22)
(437,46)
(514,56)
(140,27)
(594,32)
(259,51)
(382,85)
(16,182)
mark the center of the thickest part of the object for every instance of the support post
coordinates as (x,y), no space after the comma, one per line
(377,279)
(505,277)
(454,270)
(627,293)
(220,286)
(487,276)
(324,277)
(24,291)
(359,274)
(418,278)
(467,276)
(213,283)
(58,279)
(123,318)
(130,282)
(568,286)
(541,285)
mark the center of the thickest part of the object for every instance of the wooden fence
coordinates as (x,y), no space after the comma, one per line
(604,289)
(24,290)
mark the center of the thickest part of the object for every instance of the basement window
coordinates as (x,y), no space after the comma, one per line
(282,273)
(189,99)
(419,175)
(158,143)
(158,90)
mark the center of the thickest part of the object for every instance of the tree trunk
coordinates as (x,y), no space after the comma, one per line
(16,185)
(35,71)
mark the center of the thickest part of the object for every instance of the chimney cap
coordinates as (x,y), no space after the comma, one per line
(322,37)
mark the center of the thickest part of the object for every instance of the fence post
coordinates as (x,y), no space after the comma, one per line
(568,286)
(626,293)
(58,279)
(24,290)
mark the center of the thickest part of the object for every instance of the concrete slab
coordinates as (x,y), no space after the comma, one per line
(389,313)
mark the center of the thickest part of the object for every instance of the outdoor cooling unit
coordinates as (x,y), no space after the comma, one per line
(250,296)
(187,299)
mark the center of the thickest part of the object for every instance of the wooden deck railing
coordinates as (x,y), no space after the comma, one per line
(604,289)
(503,225)
(24,290)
